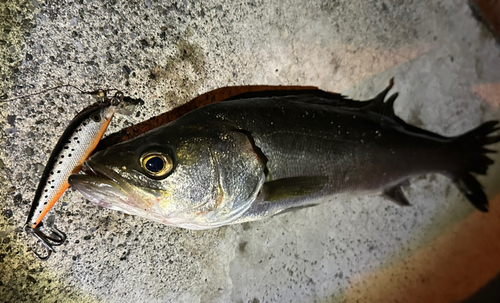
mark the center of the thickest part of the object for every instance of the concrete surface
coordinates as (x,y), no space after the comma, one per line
(446,66)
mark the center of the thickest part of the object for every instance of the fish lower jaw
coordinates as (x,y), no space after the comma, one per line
(99,202)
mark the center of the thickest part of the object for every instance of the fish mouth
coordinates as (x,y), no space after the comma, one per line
(105,187)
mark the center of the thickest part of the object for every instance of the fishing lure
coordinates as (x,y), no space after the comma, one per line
(74,146)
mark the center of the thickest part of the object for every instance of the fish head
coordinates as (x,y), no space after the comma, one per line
(187,177)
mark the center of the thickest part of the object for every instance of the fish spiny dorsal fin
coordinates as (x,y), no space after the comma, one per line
(320,97)
(311,96)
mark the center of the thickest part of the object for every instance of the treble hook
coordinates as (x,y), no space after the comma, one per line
(48,242)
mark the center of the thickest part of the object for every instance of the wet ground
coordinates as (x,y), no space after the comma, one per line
(446,67)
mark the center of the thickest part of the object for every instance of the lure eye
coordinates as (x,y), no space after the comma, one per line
(156,164)
(96,117)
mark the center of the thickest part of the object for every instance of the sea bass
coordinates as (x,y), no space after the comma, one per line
(261,154)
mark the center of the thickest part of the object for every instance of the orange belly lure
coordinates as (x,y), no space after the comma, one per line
(74,146)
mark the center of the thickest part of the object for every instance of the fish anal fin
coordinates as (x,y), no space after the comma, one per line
(396,194)
(289,188)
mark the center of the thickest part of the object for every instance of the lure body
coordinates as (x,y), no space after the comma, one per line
(75,145)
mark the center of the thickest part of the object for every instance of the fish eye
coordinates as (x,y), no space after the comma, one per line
(96,117)
(156,164)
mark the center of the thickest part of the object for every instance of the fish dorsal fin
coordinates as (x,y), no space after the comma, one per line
(314,96)
(310,96)
(378,108)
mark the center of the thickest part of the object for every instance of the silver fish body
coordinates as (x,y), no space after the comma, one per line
(258,156)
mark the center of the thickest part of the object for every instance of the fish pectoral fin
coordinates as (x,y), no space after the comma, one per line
(287,210)
(287,188)
(396,195)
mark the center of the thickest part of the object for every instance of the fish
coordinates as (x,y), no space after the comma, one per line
(73,147)
(258,155)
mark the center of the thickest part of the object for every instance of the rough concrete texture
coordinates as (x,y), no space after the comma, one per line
(446,67)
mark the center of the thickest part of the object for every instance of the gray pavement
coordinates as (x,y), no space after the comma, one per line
(445,66)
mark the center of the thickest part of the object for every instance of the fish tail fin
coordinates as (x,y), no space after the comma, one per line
(473,155)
